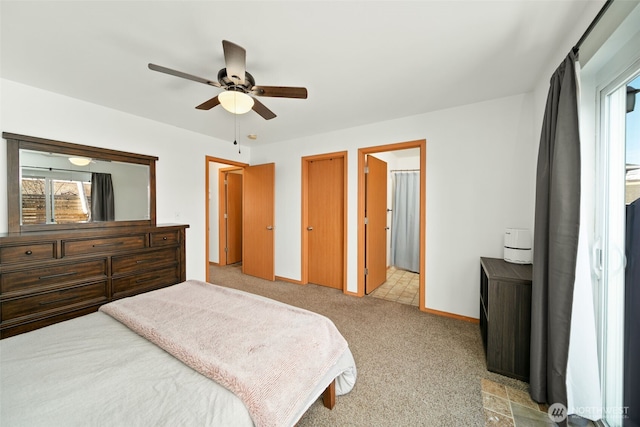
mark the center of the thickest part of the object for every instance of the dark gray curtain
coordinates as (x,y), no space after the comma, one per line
(405,221)
(557,219)
(102,203)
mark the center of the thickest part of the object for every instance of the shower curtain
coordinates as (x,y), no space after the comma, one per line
(405,221)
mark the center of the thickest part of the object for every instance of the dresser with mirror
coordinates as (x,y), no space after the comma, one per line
(82,232)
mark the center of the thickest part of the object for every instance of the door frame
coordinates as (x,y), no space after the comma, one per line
(305,213)
(207,203)
(610,236)
(362,152)
(222,224)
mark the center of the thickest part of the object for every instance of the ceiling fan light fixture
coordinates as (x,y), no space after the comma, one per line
(80,161)
(235,102)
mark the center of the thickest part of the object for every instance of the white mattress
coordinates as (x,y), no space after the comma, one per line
(93,370)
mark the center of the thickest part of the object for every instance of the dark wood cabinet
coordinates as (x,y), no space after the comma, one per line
(505,316)
(50,276)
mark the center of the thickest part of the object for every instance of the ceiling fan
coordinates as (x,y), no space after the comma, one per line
(239,86)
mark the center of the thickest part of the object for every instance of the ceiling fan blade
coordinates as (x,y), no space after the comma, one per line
(208,105)
(260,108)
(280,91)
(176,73)
(235,58)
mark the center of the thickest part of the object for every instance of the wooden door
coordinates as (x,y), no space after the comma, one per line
(258,221)
(375,223)
(326,222)
(233,218)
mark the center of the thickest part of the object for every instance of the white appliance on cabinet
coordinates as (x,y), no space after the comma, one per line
(517,246)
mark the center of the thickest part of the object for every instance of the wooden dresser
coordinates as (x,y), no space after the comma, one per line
(505,316)
(51,276)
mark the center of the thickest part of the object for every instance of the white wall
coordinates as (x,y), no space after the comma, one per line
(180,170)
(479,177)
(479,182)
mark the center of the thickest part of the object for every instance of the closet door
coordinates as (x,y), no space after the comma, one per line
(325,228)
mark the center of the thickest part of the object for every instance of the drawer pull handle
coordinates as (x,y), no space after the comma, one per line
(104,245)
(57,301)
(147,279)
(29,252)
(164,238)
(51,276)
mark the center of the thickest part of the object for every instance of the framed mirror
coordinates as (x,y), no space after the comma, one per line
(55,185)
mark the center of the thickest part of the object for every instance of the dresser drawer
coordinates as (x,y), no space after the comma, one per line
(136,283)
(144,261)
(106,244)
(29,252)
(12,328)
(47,276)
(165,238)
(55,300)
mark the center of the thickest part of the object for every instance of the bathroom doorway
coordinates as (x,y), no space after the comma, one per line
(400,283)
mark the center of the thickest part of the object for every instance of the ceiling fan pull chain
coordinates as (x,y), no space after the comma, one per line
(237,133)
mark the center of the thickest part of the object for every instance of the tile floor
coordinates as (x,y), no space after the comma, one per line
(401,286)
(507,407)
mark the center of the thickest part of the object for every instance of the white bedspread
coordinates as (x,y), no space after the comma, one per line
(93,371)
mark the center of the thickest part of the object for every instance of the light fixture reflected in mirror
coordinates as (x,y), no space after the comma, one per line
(235,102)
(79,161)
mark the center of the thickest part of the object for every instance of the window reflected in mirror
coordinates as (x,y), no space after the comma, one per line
(54,201)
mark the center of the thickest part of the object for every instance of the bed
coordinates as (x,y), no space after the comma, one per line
(150,360)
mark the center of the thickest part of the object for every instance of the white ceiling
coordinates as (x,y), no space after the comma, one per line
(362,62)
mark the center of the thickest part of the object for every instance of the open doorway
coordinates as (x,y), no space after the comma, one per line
(230,215)
(377,233)
(216,235)
(258,208)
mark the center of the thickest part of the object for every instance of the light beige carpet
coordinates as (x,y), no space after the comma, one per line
(414,368)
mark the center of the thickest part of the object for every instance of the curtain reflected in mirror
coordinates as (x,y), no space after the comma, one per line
(102,199)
